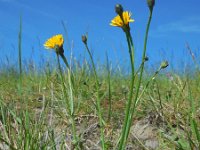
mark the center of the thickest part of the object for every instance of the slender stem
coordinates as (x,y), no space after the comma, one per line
(147,84)
(140,77)
(69,69)
(128,106)
(93,65)
(71,115)
(65,60)
(109,90)
(98,99)
(20,55)
(62,78)
(131,51)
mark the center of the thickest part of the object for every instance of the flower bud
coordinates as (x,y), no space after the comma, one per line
(119,9)
(146,58)
(151,4)
(164,64)
(84,39)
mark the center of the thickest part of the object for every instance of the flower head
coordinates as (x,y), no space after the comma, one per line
(118,22)
(54,42)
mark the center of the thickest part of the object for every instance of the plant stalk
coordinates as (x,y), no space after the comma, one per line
(140,77)
(71,114)
(128,106)
(98,99)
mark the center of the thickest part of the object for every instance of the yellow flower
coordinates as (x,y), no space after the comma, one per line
(117,21)
(54,41)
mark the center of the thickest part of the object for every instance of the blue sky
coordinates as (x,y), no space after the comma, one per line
(174,23)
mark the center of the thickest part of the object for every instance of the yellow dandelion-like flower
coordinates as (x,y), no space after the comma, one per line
(54,41)
(118,22)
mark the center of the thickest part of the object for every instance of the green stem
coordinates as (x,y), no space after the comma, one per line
(147,85)
(128,106)
(98,99)
(71,115)
(20,56)
(140,77)
(93,65)
(69,69)
(65,60)
(109,90)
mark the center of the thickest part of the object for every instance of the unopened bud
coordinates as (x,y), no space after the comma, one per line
(84,39)
(119,9)
(164,64)
(151,4)
(146,58)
